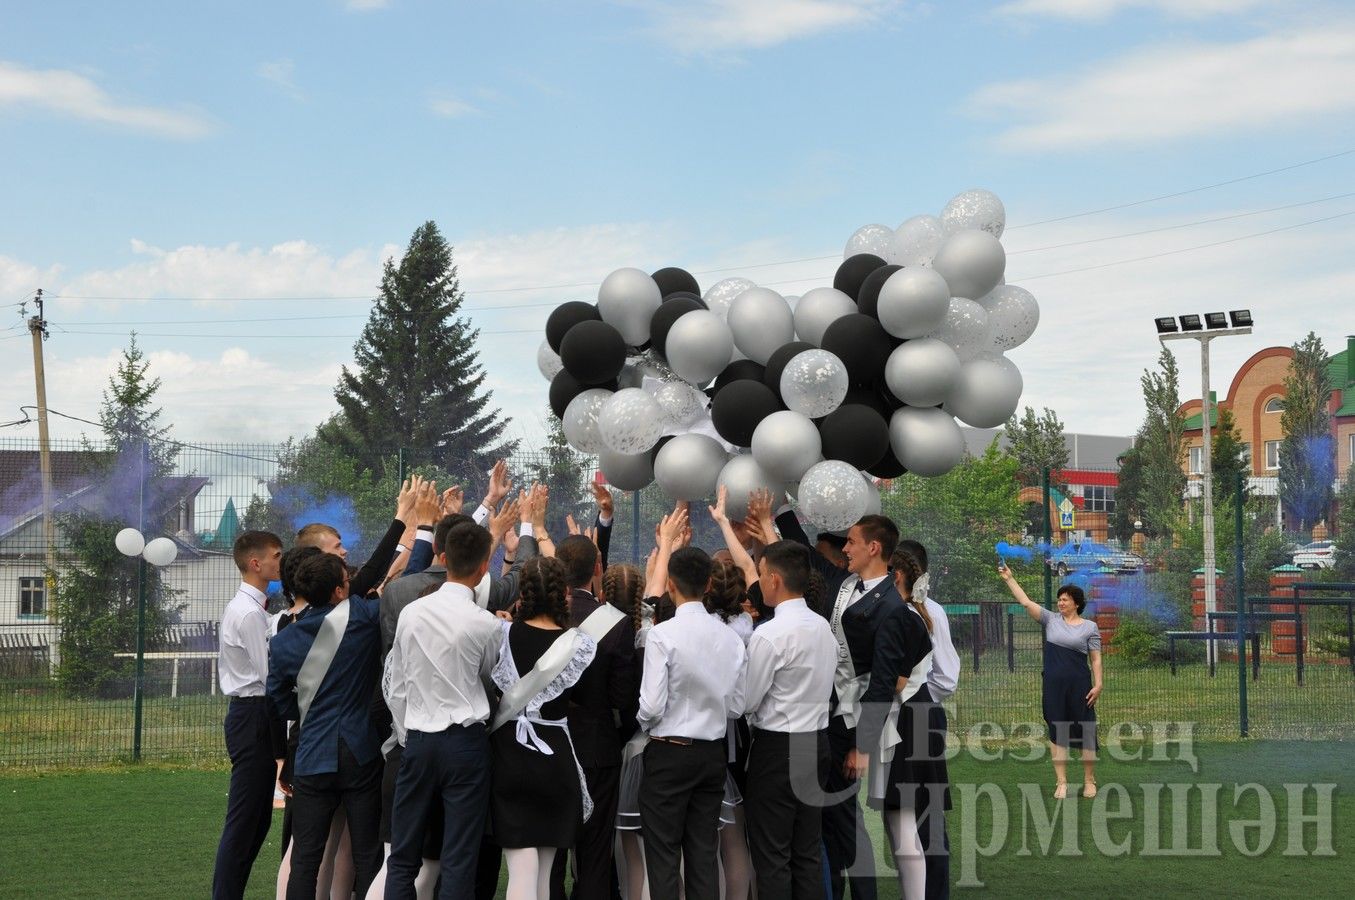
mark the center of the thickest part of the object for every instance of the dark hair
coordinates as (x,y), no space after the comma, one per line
(727,590)
(909,570)
(542,591)
(916,551)
(817,597)
(882,530)
(580,556)
(252,544)
(446,524)
(623,586)
(689,569)
(290,560)
(467,548)
(318,576)
(1076,594)
(791,561)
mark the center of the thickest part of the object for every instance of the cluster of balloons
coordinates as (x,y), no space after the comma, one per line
(815,396)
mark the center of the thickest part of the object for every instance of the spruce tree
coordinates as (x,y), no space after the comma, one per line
(1308,451)
(1227,459)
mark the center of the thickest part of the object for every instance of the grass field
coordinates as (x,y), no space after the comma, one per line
(150,831)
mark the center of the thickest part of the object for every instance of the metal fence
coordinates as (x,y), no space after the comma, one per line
(69,603)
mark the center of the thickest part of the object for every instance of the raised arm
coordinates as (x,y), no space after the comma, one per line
(736,548)
(1035,610)
(606,516)
(791,529)
(373,572)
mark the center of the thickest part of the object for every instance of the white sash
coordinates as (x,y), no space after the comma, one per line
(889,735)
(551,664)
(849,686)
(317,661)
(601,620)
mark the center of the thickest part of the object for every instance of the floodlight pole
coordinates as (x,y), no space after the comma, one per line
(1207,471)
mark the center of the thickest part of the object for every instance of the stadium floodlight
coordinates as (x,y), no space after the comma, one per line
(1191,323)
(1241,318)
(1216,320)
(1166,324)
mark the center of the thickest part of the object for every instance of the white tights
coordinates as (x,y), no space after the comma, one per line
(425,883)
(907,853)
(529,872)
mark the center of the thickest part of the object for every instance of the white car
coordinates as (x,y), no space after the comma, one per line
(1317,555)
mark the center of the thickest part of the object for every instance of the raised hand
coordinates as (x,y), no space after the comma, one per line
(503,520)
(540,501)
(717,512)
(428,507)
(499,484)
(571,525)
(606,506)
(671,528)
(409,497)
(452,500)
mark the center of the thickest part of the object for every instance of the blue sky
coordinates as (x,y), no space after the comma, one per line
(235,150)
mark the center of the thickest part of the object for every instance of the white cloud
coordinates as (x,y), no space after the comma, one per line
(450,106)
(365,5)
(282,74)
(733,24)
(1179,90)
(70,94)
(1087,10)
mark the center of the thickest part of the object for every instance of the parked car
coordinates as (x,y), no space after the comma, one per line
(1124,562)
(1089,557)
(1317,555)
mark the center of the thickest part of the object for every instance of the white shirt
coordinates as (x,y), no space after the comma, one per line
(743,626)
(944,673)
(791,661)
(693,678)
(242,664)
(445,647)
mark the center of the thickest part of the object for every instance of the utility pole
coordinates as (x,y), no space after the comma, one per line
(37,327)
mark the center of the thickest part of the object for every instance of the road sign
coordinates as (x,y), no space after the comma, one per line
(1066,512)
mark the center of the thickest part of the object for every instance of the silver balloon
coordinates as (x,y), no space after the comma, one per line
(922,372)
(627,300)
(916,242)
(680,404)
(688,467)
(972,262)
(813,383)
(580,421)
(793,300)
(627,472)
(630,421)
(965,328)
(786,444)
(1013,314)
(548,361)
(986,393)
(869,239)
(722,293)
(761,322)
(874,505)
(928,442)
(913,302)
(699,346)
(741,476)
(817,310)
(975,209)
(833,495)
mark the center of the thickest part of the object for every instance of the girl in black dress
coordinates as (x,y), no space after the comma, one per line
(538,798)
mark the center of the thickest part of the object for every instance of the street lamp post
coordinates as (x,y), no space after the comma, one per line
(1191,328)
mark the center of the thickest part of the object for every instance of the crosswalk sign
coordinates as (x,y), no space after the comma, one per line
(1066,510)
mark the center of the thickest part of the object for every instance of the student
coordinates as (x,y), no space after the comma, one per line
(253,730)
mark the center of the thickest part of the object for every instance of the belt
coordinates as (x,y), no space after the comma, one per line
(258,699)
(683,741)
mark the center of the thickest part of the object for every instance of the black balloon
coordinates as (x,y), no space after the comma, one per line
(686,295)
(888,467)
(668,312)
(739,370)
(853,272)
(776,363)
(862,344)
(739,407)
(872,398)
(593,352)
(672,279)
(654,451)
(564,387)
(566,316)
(868,300)
(855,434)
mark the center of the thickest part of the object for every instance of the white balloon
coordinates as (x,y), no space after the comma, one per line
(1013,315)
(814,383)
(699,346)
(874,505)
(972,262)
(987,392)
(688,467)
(548,361)
(680,404)
(786,444)
(630,422)
(927,442)
(580,421)
(833,495)
(916,242)
(913,302)
(818,309)
(741,476)
(922,372)
(161,551)
(965,328)
(722,293)
(129,542)
(975,209)
(869,239)
(627,301)
(761,322)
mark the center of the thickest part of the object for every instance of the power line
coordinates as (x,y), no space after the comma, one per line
(160,440)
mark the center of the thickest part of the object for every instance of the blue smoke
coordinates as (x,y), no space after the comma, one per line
(335,511)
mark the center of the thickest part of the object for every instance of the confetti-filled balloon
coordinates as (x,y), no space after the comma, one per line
(630,422)
(548,361)
(870,239)
(916,242)
(721,294)
(814,383)
(833,495)
(965,328)
(1013,314)
(580,421)
(975,209)
(680,404)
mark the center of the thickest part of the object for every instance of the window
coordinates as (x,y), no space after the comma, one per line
(1098,498)
(1196,460)
(1272,454)
(32,598)
(1275,405)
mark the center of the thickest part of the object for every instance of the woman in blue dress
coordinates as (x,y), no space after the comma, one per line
(1070,685)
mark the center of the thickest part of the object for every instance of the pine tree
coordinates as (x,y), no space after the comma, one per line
(1037,444)
(1308,451)
(1227,459)
(126,415)
(417,380)
(1161,446)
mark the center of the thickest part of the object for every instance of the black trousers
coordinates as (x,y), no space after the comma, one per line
(845,840)
(314,799)
(932,831)
(594,863)
(680,818)
(450,768)
(249,804)
(784,804)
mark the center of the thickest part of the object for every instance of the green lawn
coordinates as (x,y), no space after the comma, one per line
(150,831)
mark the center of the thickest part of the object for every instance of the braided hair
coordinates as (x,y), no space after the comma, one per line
(542,591)
(816,595)
(906,565)
(623,586)
(727,590)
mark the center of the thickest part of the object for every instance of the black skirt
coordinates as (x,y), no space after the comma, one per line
(536,800)
(918,777)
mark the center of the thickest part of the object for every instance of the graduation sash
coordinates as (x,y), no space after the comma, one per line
(849,685)
(321,655)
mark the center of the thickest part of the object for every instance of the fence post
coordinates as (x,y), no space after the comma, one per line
(1048,543)
(1243,626)
(139,688)
(400,465)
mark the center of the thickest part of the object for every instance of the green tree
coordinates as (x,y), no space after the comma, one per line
(1308,451)
(1228,458)
(1345,527)
(1160,444)
(1037,444)
(1129,494)
(129,422)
